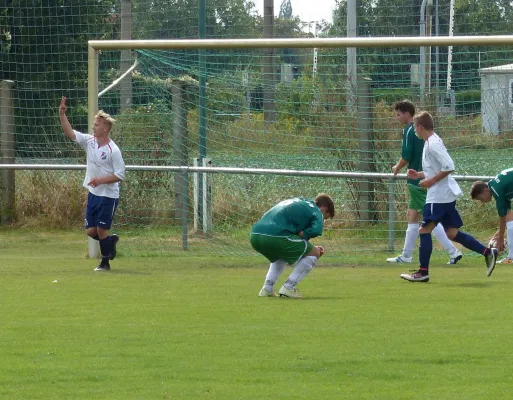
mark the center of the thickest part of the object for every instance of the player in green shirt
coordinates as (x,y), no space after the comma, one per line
(411,156)
(283,236)
(499,188)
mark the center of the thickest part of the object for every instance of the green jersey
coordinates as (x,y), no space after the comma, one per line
(291,217)
(501,188)
(412,151)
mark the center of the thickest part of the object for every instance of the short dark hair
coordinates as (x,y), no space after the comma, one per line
(405,106)
(325,200)
(478,188)
(425,120)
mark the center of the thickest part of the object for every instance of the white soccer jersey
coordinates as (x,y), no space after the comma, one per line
(101,161)
(435,159)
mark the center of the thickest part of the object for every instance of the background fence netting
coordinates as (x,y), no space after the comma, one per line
(283,116)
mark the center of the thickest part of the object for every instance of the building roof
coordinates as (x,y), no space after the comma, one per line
(498,69)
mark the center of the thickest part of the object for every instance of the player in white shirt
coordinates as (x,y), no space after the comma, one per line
(442,192)
(105,169)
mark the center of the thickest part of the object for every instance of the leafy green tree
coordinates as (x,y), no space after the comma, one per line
(391,66)
(285,10)
(45,53)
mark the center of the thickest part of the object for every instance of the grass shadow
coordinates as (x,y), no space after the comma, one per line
(125,272)
(473,284)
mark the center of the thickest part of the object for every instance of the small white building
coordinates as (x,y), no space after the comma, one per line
(497,98)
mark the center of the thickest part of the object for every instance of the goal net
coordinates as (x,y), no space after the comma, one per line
(304,114)
(295,109)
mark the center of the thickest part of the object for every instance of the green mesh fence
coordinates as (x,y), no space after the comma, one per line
(312,122)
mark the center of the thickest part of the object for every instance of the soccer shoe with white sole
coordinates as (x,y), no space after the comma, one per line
(400,259)
(265,293)
(292,293)
(454,258)
(416,276)
(102,268)
(506,260)
(115,240)
(491,260)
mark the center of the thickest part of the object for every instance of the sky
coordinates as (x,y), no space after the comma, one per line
(307,10)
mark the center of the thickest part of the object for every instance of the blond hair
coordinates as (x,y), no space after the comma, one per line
(106,117)
(425,120)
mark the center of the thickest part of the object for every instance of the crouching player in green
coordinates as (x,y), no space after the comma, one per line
(499,188)
(283,236)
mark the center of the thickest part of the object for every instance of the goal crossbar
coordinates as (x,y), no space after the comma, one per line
(359,42)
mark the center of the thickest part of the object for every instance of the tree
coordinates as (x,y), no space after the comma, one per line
(158,19)
(391,67)
(45,45)
(285,10)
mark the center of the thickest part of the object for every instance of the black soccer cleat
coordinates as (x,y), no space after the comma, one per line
(102,267)
(115,240)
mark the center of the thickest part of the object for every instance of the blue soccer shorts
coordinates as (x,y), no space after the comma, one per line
(100,211)
(443,213)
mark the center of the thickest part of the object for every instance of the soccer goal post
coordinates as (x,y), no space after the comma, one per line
(362,145)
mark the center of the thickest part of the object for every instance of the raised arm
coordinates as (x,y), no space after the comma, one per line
(66,126)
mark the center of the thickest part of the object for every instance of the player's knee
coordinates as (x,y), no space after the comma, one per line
(91,232)
(451,233)
(102,233)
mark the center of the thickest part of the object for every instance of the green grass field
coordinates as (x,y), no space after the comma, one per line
(183,326)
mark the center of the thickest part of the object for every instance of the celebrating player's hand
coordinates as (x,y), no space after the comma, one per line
(63,107)
(94,182)
(426,183)
(412,174)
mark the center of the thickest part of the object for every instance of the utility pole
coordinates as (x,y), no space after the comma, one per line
(269,74)
(315,53)
(449,52)
(429,25)
(437,57)
(351,77)
(125,96)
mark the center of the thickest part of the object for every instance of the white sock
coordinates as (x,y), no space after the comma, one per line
(412,233)
(302,268)
(441,236)
(509,229)
(275,270)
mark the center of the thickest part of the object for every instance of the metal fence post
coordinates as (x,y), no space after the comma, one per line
(185,213)
(366,150)
(7,140)
(180,153)
(391,214)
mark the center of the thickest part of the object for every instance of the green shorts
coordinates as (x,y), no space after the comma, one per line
(417,198)
(290,249)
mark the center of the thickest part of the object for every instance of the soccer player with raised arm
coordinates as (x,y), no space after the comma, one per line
(105,169)
(411,156)
(442,192)
(499,188)
(283,236)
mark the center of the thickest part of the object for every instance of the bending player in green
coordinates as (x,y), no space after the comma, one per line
(283,236)
(501,189)
(411,156)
